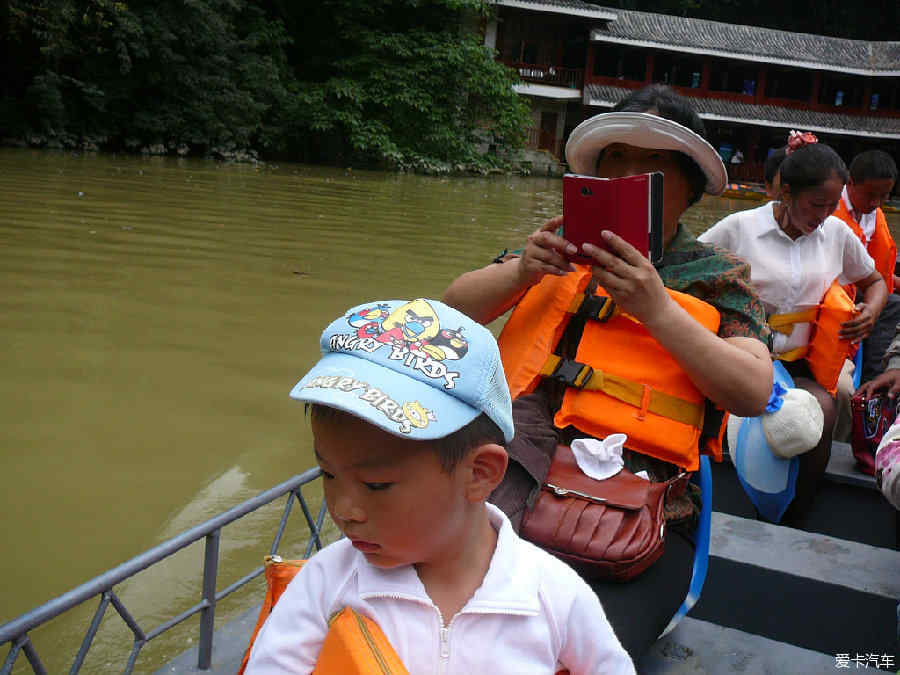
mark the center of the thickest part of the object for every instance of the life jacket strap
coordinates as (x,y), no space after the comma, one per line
(784,323)
(582,376)
(794,354)
(597,307)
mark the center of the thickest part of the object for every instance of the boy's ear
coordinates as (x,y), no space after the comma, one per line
(486,466)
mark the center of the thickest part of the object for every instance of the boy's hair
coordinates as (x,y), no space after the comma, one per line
(450,449)
(671,106)
(873,165)
(773,163)
(810,166)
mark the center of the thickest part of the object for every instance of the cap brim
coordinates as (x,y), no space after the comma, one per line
(642,130)
(399,404)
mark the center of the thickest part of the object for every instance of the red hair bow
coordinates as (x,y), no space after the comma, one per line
(797,139)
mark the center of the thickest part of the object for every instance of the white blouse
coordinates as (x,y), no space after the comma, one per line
(791,274)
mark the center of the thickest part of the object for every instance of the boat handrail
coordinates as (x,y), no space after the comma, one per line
(16,631)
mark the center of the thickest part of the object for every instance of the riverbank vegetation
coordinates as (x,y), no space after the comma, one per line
(404,84)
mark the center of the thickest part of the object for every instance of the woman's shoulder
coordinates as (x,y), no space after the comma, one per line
(838,228)
(700,257)
(741,218)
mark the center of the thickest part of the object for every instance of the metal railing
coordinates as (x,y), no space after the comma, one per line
(550,74)
(16,631)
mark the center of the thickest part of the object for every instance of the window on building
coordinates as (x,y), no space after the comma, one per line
(843,91)
(733,76)
(680,70)
(790,83)
(623,63)
(883,96)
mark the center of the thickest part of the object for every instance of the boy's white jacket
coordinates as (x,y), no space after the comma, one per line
(532,614)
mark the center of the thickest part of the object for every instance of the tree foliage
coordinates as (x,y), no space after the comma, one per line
(404,83)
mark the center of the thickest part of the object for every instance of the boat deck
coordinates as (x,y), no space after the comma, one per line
(777,599)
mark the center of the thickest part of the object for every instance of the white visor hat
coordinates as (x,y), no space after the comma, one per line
(642,130)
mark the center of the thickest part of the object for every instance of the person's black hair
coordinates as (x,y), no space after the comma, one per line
(873,165)
(670,105)
(451,449)
(772,164)
(810,166)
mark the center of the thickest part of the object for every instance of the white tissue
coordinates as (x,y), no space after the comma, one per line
(599,459)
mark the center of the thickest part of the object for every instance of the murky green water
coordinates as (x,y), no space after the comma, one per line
(154,314)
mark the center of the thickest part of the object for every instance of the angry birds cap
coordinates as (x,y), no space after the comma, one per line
(417,369)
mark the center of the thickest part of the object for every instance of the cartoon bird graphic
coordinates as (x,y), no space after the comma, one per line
(448,344)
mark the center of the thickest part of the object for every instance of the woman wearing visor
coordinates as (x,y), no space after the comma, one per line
(726,362)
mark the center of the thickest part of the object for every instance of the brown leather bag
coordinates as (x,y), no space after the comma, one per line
(611,529)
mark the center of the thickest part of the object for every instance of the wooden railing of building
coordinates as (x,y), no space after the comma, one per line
(572,78)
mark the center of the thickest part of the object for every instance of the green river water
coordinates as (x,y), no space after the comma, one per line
(154,314)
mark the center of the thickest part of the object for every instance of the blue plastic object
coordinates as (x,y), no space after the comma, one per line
(857,372)
(701,545)
(768,480)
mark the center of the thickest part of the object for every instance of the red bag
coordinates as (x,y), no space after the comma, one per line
(872,417)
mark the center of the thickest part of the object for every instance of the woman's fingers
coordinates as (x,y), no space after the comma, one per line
(545,253)
(623,249)
(859,326)
(889,380)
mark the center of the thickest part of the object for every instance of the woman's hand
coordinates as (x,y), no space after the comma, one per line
(859,327)
(889,380)
(630,279)
(545,253)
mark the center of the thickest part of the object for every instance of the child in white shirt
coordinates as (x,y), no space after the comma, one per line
(410,410)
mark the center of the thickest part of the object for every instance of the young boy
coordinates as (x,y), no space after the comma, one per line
(410,412)
(872,177)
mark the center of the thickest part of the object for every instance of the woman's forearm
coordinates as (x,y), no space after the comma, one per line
(486,293)
(875,295)
(734,373)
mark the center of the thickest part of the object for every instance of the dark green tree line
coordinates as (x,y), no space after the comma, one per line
(399,83)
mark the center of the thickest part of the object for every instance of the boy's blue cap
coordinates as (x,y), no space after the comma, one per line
(418,369)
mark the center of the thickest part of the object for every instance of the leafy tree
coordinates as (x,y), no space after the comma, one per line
(404,83)
(202,73)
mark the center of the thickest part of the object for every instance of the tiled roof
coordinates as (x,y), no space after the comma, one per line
(728,40)
(575,7)
(765,115)
(762,44)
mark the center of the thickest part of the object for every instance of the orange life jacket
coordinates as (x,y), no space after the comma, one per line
(354,644)
(881,246)
(825,352)
(622,379)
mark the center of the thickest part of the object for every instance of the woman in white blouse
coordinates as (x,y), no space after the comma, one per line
(796,249)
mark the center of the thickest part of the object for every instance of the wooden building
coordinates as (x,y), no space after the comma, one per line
(750,85)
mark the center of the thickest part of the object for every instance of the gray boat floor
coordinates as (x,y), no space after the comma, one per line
(822,580)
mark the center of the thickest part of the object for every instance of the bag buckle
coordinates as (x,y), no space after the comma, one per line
(572,373)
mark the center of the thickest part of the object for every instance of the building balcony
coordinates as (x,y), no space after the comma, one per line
(570,78)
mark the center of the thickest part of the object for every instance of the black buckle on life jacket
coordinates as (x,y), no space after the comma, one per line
(572,373)
(597,307)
